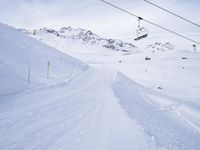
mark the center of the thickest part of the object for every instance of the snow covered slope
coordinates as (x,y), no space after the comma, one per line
(19,52)
(59,38)
(175,73)
(109,112)
(70,116)
(93,108)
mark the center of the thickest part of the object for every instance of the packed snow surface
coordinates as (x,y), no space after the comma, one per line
(96,107)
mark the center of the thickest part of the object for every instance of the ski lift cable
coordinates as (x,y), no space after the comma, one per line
(173,32)
(187,20)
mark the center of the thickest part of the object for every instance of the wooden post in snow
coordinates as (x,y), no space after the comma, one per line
(29,73)
(48,67)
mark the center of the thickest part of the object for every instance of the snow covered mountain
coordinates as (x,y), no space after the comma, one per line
(81,35)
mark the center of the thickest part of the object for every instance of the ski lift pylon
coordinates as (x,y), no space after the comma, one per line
(141,32)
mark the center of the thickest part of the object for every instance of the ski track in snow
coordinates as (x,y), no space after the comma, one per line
(81,117)
(72,116)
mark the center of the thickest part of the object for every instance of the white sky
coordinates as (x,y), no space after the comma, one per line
(103,19)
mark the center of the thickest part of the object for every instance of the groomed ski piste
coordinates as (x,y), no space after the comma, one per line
(94,104)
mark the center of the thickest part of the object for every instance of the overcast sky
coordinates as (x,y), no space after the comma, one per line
(103,19)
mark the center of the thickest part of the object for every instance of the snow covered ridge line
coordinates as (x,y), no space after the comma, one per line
(82,35)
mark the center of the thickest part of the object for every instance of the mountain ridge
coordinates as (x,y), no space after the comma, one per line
(83,36)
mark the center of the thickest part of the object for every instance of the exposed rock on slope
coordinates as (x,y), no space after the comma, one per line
(81,35)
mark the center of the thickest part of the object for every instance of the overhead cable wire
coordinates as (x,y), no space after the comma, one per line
(187,20)
(145,20)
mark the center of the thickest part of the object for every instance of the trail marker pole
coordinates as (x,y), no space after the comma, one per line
(194,47)
(29,73)
(48,67)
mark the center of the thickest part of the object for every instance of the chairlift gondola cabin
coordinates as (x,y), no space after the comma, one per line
(141,32)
